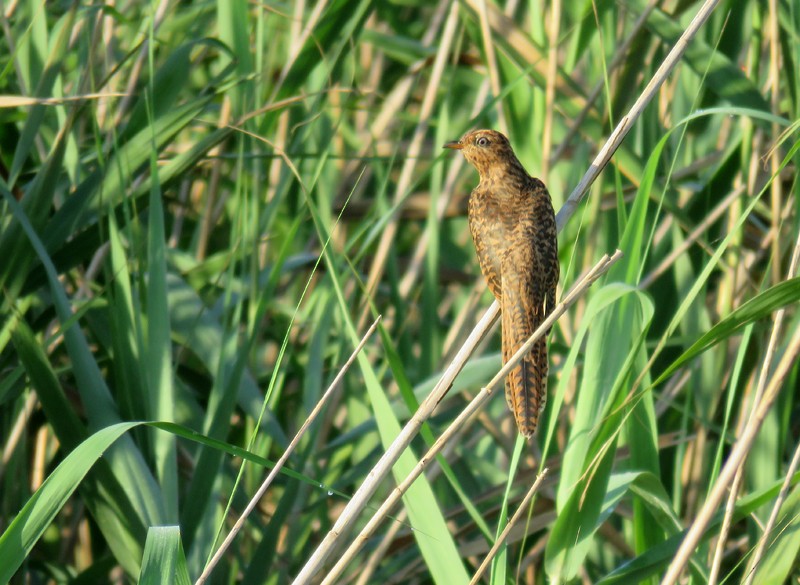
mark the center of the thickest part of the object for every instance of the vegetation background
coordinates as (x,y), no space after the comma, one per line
(205,205)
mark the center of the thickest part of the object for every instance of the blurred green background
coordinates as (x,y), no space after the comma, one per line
(205,205)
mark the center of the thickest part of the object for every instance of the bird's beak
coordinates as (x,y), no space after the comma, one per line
(455,145)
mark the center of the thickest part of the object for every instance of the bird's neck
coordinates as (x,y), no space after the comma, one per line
(505,179)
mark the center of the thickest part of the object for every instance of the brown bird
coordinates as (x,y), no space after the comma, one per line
(514,229)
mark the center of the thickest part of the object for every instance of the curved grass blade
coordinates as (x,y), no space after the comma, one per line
(759,307)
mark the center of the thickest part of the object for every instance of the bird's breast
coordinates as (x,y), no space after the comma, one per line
(495,218)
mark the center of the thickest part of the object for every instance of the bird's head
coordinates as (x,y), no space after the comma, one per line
(488,151)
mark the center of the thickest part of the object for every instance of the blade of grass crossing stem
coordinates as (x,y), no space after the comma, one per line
(500,562)
(164,561)
(40,510)
(119,521)
(780,559)
(589,455)
(755,309)
(396,365)
(430,529)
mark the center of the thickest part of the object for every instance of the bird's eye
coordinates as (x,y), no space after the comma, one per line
(482,141)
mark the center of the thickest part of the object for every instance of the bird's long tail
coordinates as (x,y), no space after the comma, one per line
(526,384)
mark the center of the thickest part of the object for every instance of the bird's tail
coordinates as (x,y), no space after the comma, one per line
(526,384)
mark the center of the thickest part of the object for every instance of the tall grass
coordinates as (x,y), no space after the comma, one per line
(205,206)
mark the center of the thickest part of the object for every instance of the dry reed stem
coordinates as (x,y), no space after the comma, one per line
(17,431)
(209,217)
(22,101)
(507,29)
(775,158)
(647,95)
(550,88)
(690,239)
(773,517)
(771,347)
(511,523)
(735,460)
(394,497)
(398,96)
(727,521)
(491,63)
(289,450)
(762,382)
(298,45)
(619,58)
(384,465)
(130,93)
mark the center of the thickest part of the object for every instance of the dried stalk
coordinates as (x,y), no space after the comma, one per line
(779,317)
(381,469)
(737,480)
(523,506)
(289,450)
(611,145)
(736,459)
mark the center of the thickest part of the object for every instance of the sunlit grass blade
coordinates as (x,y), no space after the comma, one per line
(164,561)
(37,514)
(754,309)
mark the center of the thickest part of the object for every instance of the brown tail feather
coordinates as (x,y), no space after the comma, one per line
(526,384)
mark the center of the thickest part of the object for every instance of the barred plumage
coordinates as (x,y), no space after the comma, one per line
(513,226)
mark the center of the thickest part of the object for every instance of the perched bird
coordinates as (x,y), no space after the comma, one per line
(514,229)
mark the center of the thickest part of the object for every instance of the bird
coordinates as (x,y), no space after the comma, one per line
(513,227)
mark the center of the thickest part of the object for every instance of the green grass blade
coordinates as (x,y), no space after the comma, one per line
(37,514)
(164,561)
(755,309)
